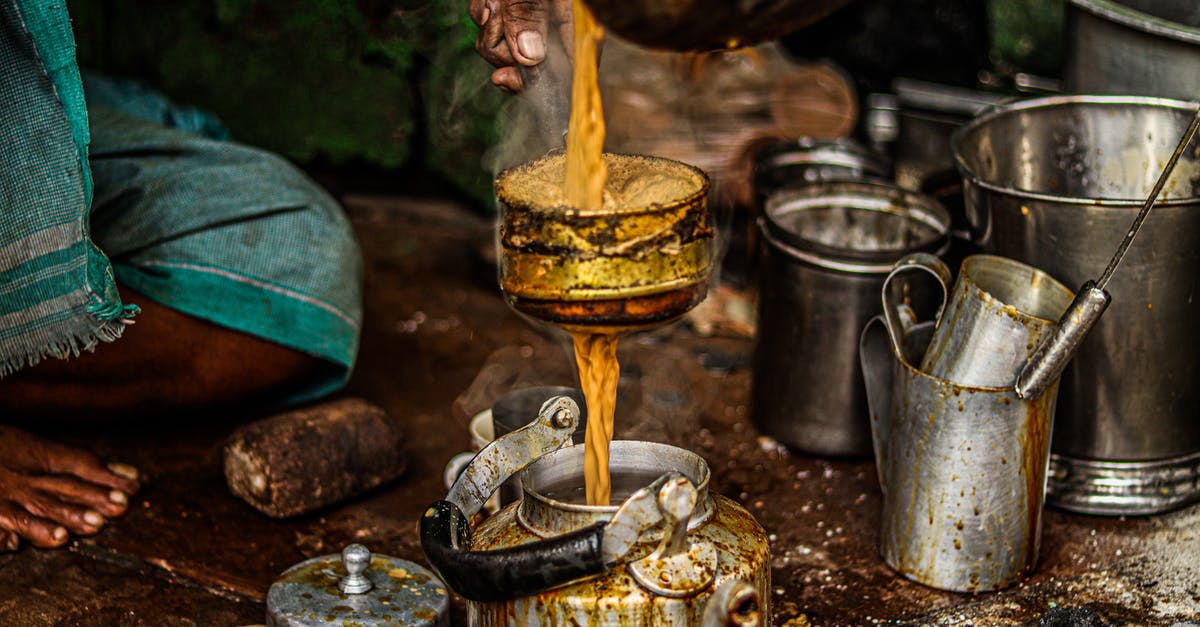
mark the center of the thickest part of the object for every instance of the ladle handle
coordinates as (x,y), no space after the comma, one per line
(1188,135)
(1050,358)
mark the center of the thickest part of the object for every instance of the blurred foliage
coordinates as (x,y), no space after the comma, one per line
(1027,34)
(388,83)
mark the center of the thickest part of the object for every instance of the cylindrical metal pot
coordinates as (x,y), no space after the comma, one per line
(641,259)
(737,547)
(1137,47)
(828,248)
(1055,183)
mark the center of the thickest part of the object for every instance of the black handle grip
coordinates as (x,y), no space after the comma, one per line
(505,574)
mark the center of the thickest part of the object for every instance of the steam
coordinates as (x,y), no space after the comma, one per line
(535,122)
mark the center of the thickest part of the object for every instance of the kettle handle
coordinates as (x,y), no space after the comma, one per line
(876,356)
(534,567)
(735,603)
(506,456)
(505,574)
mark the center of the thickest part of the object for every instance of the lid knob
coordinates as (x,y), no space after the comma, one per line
(356,558)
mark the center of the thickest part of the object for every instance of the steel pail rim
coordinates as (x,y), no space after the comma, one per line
(970,176)
(839,152)
(1139,20)
(1021,315)
(837,265)
(900,203)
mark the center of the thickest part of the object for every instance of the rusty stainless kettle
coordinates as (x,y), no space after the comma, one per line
(670,554)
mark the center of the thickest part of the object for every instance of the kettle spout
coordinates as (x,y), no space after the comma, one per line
(734,604)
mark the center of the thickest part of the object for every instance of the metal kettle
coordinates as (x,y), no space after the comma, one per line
(670,554)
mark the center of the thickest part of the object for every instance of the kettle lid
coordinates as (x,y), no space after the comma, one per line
(358,588)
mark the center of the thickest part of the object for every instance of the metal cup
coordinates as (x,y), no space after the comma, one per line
(962,468)
(997,314)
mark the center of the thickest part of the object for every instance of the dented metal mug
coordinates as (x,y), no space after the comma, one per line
(997,313)
(962,468)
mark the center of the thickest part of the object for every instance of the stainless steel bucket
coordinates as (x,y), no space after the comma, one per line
(827,249)
(962,468)
(1139,47)
(1055,183)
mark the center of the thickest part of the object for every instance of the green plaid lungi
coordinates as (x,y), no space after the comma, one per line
(217,230)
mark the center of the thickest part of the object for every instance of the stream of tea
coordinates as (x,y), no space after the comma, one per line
(595,353)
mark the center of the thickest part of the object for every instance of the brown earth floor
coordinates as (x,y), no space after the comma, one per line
(190,554)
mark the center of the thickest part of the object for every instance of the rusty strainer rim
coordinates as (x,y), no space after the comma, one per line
(511,199)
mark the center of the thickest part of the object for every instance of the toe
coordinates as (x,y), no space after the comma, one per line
(102,499)
(86,466)
(32,454)
(76,518)
(40,532)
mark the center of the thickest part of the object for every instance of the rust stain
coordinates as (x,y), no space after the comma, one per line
(1034,438)
(621,313)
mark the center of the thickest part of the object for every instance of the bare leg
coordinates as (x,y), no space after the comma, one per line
(168,361)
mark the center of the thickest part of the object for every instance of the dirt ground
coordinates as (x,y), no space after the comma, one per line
(189,553)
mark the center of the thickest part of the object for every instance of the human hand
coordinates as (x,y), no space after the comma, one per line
(520,33)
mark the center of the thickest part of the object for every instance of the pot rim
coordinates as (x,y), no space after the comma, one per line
(1139,20)
(902,203)
(1050,102)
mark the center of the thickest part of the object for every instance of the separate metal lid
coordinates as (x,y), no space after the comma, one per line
(854,226)
(357,588)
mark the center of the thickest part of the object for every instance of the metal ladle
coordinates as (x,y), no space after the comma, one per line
(1050,359)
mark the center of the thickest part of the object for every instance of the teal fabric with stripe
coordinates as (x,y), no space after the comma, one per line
(215,229)
(57,290)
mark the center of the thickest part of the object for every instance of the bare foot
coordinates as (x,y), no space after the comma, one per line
(49,491)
